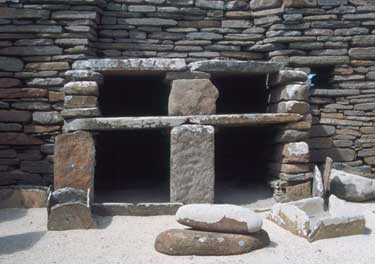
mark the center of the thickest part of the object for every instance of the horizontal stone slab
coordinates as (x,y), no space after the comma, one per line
(124,123)
(235,67)
(150,122)
(318,60)
(130,65)
(245,119)
(139,209)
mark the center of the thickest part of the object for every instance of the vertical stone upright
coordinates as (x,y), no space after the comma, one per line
(74,160)
(192,173)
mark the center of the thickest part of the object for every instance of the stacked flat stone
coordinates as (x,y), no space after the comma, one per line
(290,162)
(39,41)
(214,230)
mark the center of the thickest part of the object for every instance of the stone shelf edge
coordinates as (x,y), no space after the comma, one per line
(123,123)
(223,67)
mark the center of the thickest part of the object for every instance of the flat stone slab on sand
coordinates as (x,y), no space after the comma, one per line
(190,242)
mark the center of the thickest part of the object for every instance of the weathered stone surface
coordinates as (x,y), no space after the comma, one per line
(23,196)
(81,112)
(299,191)
(9,82)
(284,136)
(81,88)
(296,152)
(71,14)
(317,187)
(322,131)
(80,101)
(295,92)
(222,218)
(296,107)
(190,242)
(300,3)
(287,76)
(318,60)
(264,4)
(245,119)
(151,22)
(70,216)
(131,65)
(15,13)
(74,160)
(14,116)
(192,172)
(362,53)
(68,195)
(351,187)
(234,67)
(47,66)
(12,138)
(84,75)
(337,154)
(192,97)
(10,64)
(22,93)
(210,4)
(123,123)
(308,218)
(29,51)
(47,118)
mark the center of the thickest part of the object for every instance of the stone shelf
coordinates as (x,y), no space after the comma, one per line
(225,67)
(245,119)
(124,123)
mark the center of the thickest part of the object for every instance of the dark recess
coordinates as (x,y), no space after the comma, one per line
(132,166)
(139,95)
(241,159)
(241,94)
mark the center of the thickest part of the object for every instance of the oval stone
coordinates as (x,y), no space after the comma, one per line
(190,242)
(224,218)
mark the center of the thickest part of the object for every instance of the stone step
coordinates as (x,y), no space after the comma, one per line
(147,122)
(131,209)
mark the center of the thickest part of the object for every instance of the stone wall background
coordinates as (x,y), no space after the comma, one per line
(40,39)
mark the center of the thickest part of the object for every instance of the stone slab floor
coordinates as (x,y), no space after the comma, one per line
(24,239)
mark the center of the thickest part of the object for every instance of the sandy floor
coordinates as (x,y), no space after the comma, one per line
(24,239)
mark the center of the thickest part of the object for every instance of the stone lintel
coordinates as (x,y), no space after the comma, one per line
(225,67)
(124,123)
(245,119)
(150,122)
(131,65)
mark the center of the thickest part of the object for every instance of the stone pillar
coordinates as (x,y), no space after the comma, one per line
(192,173)
(74,160)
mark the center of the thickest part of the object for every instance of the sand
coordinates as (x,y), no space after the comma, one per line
(125,239)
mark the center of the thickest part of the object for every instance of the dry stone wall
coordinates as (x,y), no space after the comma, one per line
(41,39)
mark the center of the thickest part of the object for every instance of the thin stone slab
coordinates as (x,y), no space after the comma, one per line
(192,166)
(131,65)
(124,123)
(225,67)
(182,242)
(139,209)
(245,119)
